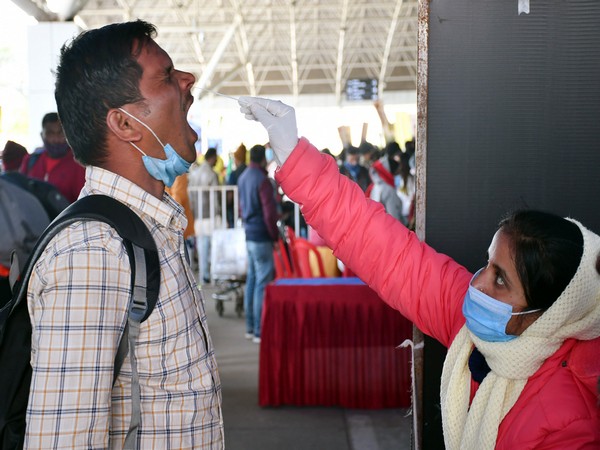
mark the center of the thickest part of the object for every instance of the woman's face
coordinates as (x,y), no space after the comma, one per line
(499,280)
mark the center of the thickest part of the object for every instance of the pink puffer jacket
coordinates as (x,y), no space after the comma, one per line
(558,408)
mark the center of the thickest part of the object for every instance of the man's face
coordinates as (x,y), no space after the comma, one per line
(53,134)
(352,159)
(167,99)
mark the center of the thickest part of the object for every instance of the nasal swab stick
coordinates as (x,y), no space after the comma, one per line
(217,93)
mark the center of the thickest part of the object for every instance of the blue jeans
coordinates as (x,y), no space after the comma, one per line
(205,257)
(260,272)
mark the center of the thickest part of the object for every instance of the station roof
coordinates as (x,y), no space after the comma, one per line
(268,47)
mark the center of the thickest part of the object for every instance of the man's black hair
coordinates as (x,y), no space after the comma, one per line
(392,149)
(50,117)
(257,153)
(351,150)
(98,71)
(210,153)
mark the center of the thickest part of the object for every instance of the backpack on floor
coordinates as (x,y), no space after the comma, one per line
(15,325)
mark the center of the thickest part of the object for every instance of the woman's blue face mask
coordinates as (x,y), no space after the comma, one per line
(487,317)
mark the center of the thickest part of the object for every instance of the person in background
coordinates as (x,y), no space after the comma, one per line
(207,220)
(22,221)
(271,165)
(179,192)
(54,162)
(47,194)
(124,109)
(221,169)
(523,331)
(259,215)
(383,191)
(352,169)
(12,156)
(410,149)
(404,180)
(368,154)
(406,188)
(239,159)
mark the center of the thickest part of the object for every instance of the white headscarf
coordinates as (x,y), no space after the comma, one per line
(575,314)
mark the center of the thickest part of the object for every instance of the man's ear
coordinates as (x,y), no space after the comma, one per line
(123,126)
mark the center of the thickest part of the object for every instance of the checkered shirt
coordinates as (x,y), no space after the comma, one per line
(78,298)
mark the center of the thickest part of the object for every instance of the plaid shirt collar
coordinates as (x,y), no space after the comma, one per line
(167,212)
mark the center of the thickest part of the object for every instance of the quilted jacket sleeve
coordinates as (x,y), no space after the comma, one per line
(425,286)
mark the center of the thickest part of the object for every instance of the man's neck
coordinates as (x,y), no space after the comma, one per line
(126,163)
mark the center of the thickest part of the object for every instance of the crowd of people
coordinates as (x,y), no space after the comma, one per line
(46,180)
(521,331)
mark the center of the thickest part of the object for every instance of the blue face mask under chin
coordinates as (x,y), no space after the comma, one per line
(165,170)
(487,317)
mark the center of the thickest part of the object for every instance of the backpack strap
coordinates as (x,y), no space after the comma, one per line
(138,306)
(145,277)
(32,160)
(128,225)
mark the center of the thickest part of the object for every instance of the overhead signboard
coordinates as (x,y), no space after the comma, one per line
(362,89)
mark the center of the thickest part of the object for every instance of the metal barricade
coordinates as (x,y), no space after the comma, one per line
(209,205)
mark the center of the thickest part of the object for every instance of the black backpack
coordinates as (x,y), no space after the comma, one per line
(47,194)
(15,325)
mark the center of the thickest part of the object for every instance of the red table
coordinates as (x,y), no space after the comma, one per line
(332,342)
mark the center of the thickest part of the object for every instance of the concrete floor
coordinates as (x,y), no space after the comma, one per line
(249,427)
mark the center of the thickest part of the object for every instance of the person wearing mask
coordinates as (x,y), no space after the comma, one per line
(259,215)
(523,332)
(204,176)
(383,191)
(47,194)
(55,162)
(124,110)
(239,159)
(352,169)
(368,154)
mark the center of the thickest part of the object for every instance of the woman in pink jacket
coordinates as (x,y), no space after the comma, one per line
(523,333)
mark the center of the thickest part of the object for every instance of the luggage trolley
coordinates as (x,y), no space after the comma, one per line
(228,267)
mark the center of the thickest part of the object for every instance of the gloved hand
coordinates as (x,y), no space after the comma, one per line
(279,120)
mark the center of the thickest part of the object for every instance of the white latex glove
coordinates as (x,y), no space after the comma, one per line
(279,120)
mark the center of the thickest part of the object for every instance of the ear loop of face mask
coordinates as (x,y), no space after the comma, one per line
(522,313)
(147,127)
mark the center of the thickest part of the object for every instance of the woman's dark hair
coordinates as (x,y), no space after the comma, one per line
(547,250)
(98,71)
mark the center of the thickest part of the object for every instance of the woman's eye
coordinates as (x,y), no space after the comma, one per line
(499,280)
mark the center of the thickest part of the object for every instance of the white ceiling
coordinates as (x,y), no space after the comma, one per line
(266,47)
